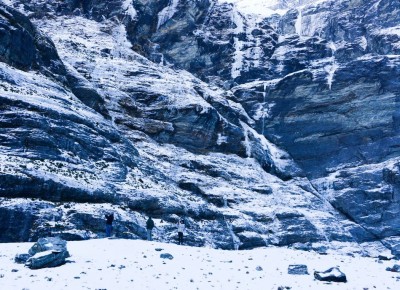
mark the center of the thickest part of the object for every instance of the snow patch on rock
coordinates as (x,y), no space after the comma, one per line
(167,13)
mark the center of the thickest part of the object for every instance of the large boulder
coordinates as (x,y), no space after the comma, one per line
(48,244)
(47,252)
(47,259)
(331,275)
(394,268)
(298,269)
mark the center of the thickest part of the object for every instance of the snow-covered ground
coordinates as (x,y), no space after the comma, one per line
(134,264)
(266,8)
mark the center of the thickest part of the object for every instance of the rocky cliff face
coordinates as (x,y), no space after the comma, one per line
(274,128)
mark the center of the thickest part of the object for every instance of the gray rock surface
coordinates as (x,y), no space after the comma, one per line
(395,268)
(21,258)
(298,270)
(331,275)
(48,244)
(47,259)
(166,256)
(46,252)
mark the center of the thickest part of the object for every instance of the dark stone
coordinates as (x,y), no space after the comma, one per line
(382,257)
(331,275)
(17,46)
(364,200)
(298,270)
(395,268)
(21,258)
(166,256)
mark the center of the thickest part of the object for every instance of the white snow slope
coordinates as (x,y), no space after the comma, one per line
(133,264)
(265,8)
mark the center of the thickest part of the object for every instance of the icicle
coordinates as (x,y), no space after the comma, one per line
(265,88)
(298,24)
(330,69)
(162,59)
(331,74)
(225,201)
(247,144)
(264,113)
(235,239)
(238,56)
(222,139)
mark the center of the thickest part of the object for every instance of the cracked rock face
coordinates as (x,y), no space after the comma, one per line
(280,128)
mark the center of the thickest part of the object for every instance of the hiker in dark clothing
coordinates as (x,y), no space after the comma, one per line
(149,227)
(109,221)
(181,230)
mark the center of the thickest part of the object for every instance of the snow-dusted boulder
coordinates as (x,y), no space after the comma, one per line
(298,270)
(47,259)
(331,275)
(21,258)
(48,244)
(394,268)
(47,252)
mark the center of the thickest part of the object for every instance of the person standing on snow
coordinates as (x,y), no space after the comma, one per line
(181,230)
(149,227)
(109,221)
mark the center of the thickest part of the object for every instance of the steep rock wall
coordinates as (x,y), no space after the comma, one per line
(298,93)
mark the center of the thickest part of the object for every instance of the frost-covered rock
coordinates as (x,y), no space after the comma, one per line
(23,46)
(298,270)
(21,258)
(48,244)
(47,252)
(47,259)
(331,275)
(395,268)
(367,194)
